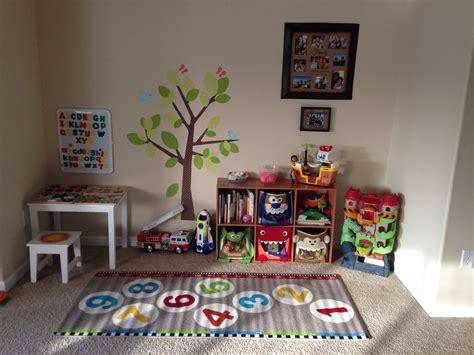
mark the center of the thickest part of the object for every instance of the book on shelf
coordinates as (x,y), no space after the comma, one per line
(234,205)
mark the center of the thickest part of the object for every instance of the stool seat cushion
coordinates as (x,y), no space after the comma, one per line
(73,236)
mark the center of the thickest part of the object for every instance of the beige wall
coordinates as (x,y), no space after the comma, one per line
(101,54)
(427,127)
(22,140)
(456,286)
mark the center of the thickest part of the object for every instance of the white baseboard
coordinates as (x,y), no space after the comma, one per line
(16,276)
(436,310)
(24,268)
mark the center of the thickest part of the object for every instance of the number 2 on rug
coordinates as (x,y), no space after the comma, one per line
(293,294)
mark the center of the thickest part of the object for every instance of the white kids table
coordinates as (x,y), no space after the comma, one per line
(83,198)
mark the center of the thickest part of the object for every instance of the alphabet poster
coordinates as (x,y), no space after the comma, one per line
(85,140)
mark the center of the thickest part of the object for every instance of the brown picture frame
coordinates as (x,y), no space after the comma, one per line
(319,60)
(315,119)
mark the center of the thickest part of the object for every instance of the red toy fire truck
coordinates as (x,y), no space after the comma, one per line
(151,241)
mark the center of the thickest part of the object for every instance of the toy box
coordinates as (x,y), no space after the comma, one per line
(275,208)
(311,245)
(236,243)
(273,243)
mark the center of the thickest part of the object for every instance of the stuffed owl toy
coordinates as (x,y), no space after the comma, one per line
(275,208)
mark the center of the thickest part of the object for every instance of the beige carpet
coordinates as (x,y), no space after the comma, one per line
(395,320)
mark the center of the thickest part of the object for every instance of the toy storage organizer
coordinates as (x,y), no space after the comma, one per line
(304,235)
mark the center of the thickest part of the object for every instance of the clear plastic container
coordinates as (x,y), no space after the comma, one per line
(268,173)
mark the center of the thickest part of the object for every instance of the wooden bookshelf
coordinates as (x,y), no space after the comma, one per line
(298,192)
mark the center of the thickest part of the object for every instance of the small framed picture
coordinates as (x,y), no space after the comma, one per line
(316,119)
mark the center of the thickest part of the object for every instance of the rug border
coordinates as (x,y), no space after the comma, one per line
(218,274)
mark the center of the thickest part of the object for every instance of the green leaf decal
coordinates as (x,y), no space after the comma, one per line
(152,133)
(198,162)
(170,140)
(135,139)
(170,118)
(150,150)
(164,91)
(210,83)
(223,98)
(226,145)
(234,148)
(171,162)
(222,85)
(204,98)
(178,123)
(166,102)
(173,76)
(213,122)
(210,166)
(215,159)
(156,121)
(188,84)
(223,150)
(206,152)
(192,95)
(146,123)
(210,133)
(172,190)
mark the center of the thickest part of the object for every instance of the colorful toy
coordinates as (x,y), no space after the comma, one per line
(275,208)
(273,243)
(237,176)
(153,240)
(203,242)
(4,299)
(236,245)
(316,210)
(320,171)
(311,245)
(368,233)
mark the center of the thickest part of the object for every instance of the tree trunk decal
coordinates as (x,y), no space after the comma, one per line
(195,151)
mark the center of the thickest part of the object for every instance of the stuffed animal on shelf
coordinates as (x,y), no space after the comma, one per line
(275,208)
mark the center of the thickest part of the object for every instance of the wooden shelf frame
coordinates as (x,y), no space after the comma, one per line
(297,189)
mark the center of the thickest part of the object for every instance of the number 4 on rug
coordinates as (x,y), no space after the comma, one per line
(216,318)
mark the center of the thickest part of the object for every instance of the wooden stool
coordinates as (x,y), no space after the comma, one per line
(52,242)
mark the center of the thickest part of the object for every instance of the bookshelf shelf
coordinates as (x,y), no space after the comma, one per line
(249,191)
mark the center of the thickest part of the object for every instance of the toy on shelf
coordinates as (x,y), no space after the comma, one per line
(4,298)
(273,243)
(368,232)
(237,176)
(275,208)
(315,210)
(311,245)
(151,239)
(268,174)
(236,244)
(203,242)
(320,170)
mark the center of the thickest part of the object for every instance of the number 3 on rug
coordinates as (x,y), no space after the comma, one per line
(252,301)
(177,301)
(216,316)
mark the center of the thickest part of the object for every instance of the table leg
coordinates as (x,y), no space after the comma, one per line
(57,221)
(111,222)
(34,220)
(124,210)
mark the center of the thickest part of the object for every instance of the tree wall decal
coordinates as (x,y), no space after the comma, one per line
(215,88)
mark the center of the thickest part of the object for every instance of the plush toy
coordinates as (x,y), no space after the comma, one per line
(275,208)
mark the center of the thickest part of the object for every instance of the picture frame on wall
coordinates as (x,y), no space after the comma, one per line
(319,60)
(316,119)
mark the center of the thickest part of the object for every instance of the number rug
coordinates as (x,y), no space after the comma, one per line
(215,305)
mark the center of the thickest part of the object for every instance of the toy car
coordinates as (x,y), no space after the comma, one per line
(151,240)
